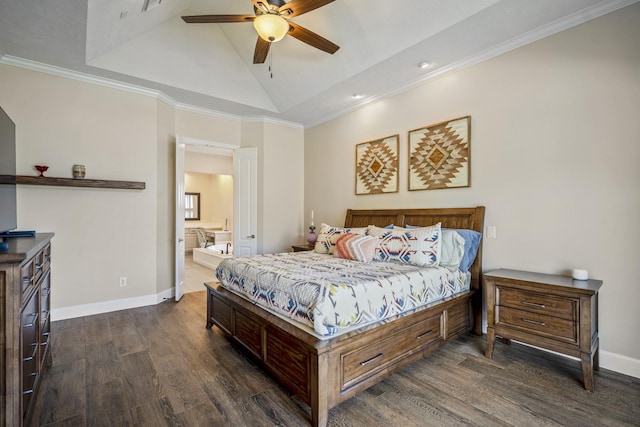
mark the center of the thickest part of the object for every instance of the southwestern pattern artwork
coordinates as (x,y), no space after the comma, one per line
(439,155)
(377,166)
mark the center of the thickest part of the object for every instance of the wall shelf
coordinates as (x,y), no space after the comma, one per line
(71,182)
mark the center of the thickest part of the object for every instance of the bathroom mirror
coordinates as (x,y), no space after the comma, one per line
(192,206)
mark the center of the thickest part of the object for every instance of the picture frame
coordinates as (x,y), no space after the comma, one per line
(440,155)
(377,166)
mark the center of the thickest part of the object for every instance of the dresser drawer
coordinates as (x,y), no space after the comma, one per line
(564,308)
(29,380)
(361,363)
(29,327)
(27,278)
(565,330)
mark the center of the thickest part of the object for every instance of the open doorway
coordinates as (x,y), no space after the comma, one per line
(208,186)
(241,225)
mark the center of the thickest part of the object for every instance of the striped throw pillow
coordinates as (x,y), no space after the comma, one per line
(356,247)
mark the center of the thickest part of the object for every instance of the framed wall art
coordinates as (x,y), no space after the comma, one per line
(439,155)
(377,166)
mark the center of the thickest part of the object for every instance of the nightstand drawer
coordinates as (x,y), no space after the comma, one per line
(550,326)
(564,308)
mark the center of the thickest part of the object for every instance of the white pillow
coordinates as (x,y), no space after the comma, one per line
(451,249)
(417,246)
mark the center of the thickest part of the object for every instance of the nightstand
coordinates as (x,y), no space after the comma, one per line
(302,248)
(548,311)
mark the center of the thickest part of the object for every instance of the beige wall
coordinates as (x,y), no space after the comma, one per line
(102,234)
(554,155)
(216,198)
(280,183)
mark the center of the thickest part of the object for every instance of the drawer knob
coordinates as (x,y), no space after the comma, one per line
(366,362)
(533,304)
(535,322)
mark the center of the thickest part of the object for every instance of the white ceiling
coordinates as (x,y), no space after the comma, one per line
(210,65)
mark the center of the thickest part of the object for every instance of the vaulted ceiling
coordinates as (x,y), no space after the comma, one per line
(211,65)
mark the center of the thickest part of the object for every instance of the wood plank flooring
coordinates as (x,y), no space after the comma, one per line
(158,365)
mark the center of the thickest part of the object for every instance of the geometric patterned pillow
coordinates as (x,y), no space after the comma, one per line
(357,247)
(417,246)
(326,242)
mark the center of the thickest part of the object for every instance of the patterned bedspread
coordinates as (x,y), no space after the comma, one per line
(330,294)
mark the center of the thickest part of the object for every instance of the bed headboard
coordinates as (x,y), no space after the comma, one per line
(471,218)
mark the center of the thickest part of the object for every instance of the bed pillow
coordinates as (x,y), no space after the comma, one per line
(471,243)
(418,246)
(326,242)
(451,249)
(357,247)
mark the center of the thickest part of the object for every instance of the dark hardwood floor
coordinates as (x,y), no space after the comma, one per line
(158,365)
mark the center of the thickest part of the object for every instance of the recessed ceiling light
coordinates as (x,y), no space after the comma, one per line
(424,64)
(357,96)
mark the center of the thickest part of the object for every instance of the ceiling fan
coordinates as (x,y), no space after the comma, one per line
(271,21)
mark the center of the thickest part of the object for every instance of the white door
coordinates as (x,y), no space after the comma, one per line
(245,201)
(180,148)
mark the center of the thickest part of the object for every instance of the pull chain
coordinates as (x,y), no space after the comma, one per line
(271,63)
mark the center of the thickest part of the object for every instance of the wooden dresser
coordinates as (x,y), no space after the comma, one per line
(548,311)
(25,287)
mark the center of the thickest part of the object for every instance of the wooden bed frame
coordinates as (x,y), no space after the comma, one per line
(324,373)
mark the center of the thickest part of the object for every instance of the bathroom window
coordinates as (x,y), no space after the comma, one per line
(192,206)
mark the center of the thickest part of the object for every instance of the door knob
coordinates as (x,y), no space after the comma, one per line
(253,236)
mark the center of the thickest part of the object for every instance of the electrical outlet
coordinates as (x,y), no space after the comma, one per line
(491,232)
(123,281)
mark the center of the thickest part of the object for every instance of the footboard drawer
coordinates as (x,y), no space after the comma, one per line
(361,363)
(289,361)
(220,313)
(249,332)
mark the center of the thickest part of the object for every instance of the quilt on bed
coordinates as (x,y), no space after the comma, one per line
(330,294)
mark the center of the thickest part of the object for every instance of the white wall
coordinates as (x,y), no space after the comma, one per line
(554,158)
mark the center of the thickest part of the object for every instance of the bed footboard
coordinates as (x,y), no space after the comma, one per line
(324,373)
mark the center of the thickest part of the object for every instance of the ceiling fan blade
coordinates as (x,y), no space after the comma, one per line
(217,19)
(311,38)
(298,7)
(261,51)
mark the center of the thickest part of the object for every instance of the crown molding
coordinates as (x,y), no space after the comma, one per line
(273,121)
(140,90)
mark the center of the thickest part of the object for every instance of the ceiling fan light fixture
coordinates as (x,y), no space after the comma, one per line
(271,27)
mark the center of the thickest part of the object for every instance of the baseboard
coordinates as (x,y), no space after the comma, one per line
(109,306)
(612,361)
(619,363)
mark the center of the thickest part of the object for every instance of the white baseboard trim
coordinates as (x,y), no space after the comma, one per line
(109,306)
(622,364)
